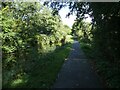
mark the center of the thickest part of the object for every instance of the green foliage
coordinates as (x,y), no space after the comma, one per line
(82,30)
(108,72)
(28,30)
(106,29)
(105,36)
(43,72)
(105,25)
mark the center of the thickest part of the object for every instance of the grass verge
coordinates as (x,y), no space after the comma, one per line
(108,72)
(44,71)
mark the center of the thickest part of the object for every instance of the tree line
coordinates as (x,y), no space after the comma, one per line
(28,31)
(102,34)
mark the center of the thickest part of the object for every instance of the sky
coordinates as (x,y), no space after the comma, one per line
(69,21)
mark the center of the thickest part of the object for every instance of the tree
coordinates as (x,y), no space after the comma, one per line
(28,31)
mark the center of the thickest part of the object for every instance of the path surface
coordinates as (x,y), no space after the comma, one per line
(77,72)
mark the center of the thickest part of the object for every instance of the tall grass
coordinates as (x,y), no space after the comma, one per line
(42,71)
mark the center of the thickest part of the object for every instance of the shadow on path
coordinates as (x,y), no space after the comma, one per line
(76,72)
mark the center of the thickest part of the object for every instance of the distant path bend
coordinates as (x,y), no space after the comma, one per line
(76,72)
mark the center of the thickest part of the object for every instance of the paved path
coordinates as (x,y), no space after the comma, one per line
(77,72)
